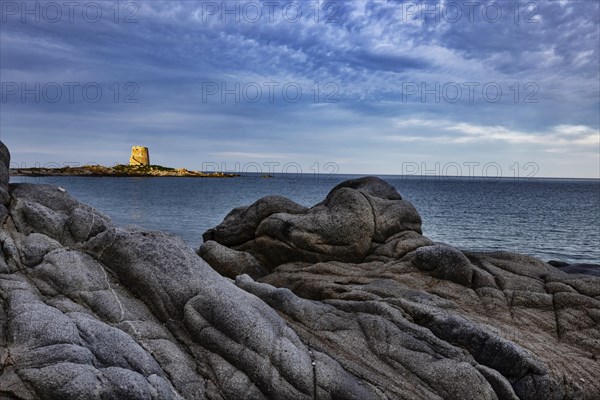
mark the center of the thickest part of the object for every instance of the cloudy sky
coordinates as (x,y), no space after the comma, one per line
(373,87)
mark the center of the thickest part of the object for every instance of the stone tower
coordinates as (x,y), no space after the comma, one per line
(139,156)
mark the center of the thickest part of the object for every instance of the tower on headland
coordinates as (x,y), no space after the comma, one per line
(139,156)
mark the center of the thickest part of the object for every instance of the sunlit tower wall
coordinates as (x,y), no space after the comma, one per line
(139,156)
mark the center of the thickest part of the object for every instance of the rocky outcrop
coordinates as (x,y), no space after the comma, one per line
(417,319)
(340,307)
(355,216)
(119,171)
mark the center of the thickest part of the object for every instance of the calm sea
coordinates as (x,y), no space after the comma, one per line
(547,218)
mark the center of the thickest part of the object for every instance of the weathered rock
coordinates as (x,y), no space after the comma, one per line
(239,226)
(355,216)
(4,176)
(350,307)
(515,316)
(229,262)
(445,262)
(340,229)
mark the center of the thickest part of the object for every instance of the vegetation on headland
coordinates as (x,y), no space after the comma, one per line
(119,170)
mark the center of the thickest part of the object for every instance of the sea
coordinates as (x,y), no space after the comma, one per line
(552,219)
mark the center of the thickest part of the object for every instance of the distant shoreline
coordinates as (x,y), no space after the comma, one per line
(125,171)
(119,171)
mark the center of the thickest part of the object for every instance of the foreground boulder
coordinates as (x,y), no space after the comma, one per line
(356,215)
(94,311)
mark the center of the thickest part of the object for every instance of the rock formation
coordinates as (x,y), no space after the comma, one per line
(139,156)
(345,300)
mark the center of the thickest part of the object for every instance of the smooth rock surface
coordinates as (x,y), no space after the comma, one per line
(229,262)
(349,302)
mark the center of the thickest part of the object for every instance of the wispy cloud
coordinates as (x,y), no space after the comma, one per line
(366,54)
(238,155)
(585,137)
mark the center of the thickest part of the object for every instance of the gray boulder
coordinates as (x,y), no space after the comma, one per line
(445,262)
(356,216)
(239,226)
(229,262)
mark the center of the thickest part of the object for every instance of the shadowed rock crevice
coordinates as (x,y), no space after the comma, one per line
(344,300)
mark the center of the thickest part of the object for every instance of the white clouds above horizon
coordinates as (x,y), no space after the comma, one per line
(572,137)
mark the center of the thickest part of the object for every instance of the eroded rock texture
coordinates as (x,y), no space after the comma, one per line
(348,301)
(414,319)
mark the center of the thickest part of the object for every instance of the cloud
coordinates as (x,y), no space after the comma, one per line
(367,52)
(239,155)
(570,136)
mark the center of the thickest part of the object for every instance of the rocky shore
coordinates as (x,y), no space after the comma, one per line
(344,300)
(118,171)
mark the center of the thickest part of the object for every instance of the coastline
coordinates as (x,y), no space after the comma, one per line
(119,171)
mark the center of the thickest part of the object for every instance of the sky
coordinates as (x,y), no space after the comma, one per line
(478,88)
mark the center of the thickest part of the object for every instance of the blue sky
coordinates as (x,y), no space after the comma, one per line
(403,87)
